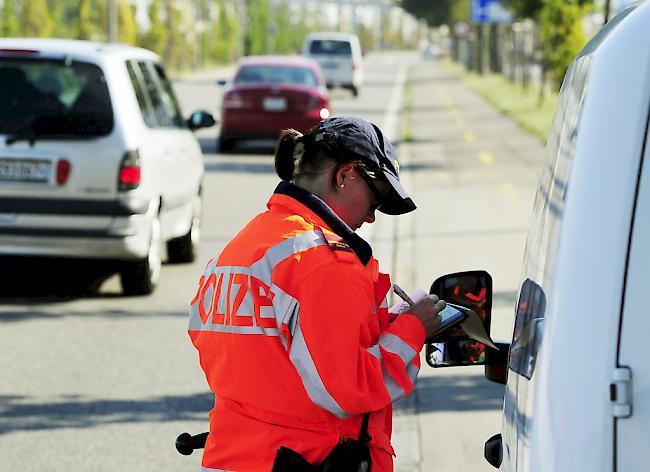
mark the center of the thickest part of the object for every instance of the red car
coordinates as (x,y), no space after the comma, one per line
(269,94)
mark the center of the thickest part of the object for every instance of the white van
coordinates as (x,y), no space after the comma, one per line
(339,57)
(578,376)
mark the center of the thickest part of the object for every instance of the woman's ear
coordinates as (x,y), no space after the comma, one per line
(344,172)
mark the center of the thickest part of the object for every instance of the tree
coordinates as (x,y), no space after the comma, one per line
(127,30)
(179,51)
(283,30)
(460,10)
(533,8)
(10,20)
(524,8)
(87,24)
(562,35)
(560,28)
(434,12)
(224,36)
(155,38)
(36,20)
(257,34)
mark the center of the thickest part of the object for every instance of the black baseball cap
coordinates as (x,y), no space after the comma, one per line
(364,141)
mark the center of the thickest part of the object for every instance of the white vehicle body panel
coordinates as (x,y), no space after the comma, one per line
(632,433)
(577,253)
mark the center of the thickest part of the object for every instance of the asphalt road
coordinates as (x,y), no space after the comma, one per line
(106,382)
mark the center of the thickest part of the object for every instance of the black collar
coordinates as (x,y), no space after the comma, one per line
(360,247)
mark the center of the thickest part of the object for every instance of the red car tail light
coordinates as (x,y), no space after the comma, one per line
(320,103)
(129,175)
(234,100)
(63,167)
(317,101)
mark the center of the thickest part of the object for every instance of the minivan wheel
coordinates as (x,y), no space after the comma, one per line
(185,248)
(141,277)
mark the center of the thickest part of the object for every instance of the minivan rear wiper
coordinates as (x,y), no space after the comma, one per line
(32,137)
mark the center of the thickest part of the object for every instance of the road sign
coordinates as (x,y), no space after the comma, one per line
(461,29)
(490,11)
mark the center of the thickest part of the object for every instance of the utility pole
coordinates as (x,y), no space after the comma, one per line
(112,21)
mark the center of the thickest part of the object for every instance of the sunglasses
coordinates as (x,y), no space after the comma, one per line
(379,196)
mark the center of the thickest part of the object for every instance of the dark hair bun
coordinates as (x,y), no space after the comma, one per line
(284,160)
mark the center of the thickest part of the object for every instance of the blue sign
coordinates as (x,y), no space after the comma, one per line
(490,11)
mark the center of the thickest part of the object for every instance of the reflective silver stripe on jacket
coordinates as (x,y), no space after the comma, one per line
(301,359)
(208,469)
(283,305)
(395,345)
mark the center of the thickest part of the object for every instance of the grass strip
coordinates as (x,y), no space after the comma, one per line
(512,99)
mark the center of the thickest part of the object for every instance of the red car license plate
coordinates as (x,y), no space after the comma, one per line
(274,104)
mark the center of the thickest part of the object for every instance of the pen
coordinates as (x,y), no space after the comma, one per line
(402,294)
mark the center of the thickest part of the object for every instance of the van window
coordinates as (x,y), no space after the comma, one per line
(169,98)
(163,118)
(48,97)
(148,114)
(330,47)
(548,210)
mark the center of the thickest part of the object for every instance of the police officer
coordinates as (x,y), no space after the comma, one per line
(290,320)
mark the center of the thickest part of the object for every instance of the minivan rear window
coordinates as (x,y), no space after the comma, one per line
(53,98)
(330,47)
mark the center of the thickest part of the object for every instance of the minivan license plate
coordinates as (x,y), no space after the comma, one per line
(19,170)
(274,104)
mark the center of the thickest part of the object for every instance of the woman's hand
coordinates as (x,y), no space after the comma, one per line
(427,311)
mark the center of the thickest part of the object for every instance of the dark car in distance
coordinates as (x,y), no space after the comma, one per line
(271,93)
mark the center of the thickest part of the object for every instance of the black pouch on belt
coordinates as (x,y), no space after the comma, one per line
(350,455)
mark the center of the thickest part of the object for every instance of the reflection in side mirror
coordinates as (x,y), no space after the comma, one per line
(200,119)
(453,347)
(455,353)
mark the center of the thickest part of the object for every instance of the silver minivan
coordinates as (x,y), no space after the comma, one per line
(96,159)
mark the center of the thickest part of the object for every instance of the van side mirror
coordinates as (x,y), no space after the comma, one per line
(200,119)
(472,289)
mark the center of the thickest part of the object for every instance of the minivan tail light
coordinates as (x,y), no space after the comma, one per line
(63,167)
(129,175)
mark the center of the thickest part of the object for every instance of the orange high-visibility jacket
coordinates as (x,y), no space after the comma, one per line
(296,342)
